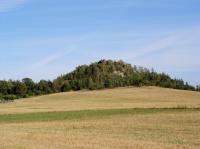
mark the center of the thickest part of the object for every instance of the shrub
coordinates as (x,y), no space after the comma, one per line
(9,97)
(1,96)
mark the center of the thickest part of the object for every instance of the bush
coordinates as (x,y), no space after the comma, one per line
(1,96)
(9,97)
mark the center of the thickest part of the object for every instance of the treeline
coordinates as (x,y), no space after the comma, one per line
(198,88)
(10,90)
(99,75)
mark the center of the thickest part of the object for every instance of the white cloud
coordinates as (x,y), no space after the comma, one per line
(7,5)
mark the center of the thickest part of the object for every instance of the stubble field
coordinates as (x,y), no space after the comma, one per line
(147,117)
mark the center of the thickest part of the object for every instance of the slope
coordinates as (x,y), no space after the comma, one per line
(119,98)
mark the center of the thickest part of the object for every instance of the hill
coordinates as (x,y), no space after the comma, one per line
(98,75)
(110,74)
(131,97)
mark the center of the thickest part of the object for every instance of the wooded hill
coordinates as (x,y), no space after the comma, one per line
(98,75)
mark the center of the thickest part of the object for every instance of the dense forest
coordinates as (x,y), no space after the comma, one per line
(99,75)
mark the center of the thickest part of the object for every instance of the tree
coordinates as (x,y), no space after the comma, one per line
(99,75)
(91,84)
(45,87)
(198,88)
(1,97)
(66,87)
(30,86)
(6,87)
(20,89)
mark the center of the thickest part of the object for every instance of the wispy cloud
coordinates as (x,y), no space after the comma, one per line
(176,50)
(7,5)
(43,67)
(47,60)
(153,47)
(174,40)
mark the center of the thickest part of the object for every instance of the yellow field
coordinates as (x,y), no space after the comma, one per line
(164,129)
(151,131)
(145,97)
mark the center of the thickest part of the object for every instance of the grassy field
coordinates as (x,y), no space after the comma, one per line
(124,118)
(145,97)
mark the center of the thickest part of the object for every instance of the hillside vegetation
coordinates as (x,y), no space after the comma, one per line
(98,75)
(109,74)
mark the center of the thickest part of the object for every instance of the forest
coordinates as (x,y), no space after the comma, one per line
(98,75)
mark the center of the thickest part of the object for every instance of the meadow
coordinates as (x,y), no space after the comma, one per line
(141,118)
(119,98)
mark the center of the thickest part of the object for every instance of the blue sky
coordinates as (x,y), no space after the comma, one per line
(42,39)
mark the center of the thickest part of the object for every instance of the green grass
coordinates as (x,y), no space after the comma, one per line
(68,115)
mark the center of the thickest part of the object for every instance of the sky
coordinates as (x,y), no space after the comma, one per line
(43,39)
